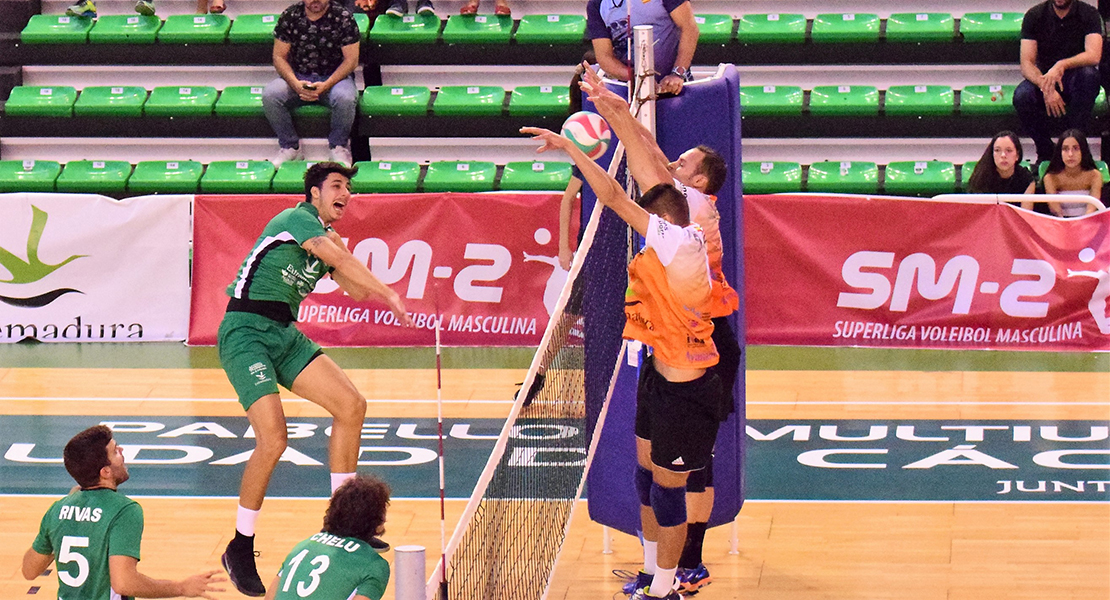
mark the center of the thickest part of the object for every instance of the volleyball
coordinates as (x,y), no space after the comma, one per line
(589,132)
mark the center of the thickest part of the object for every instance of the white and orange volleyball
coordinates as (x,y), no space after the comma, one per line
(589,132)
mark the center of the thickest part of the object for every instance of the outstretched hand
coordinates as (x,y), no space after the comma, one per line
(550,139)
(198,586)
(607,102)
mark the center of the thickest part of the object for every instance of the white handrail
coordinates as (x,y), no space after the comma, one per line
(1007,198)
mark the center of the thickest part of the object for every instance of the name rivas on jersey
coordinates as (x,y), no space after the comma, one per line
(80,513)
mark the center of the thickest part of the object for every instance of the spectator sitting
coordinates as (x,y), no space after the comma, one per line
(675,35)
(1061,45)
(87,8)
(999,170)
(398,8)
(211,6)
(500,7)
(1072,170)
(315,53)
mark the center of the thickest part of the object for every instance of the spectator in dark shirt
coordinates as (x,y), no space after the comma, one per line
(999,170)
(315,53)
(1061,46)
(675,36)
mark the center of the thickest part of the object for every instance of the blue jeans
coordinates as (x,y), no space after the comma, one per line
(279,100)
(1080,89)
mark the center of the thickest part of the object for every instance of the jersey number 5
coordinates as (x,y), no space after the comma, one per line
(66,555)
(321,563)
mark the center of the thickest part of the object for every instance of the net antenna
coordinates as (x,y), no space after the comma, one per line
(508,538)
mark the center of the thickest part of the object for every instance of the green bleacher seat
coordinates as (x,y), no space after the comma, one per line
(991,26)
(315,110)
(395,101)
(478,29)
(714,29)
(237,177)
(771,177)
(846,27)
(194,29)
(289,178)
(536,176)
(842,100)
(469,100)
(94,177)
(843,177)
(539,101)
(777,100)
(109,101)
(28,175)
(965,173)
(41,101)
(774,28)
(1100,102)
(551,29)
(56,29)
(460,176)
(125,29)
(920,100)
(409,29)
(384,177)
(920,178)
(165,177)
(252,29)
(363,21)
(987,99)
(1101,165)
(920,27)
(180,101)
(240,101)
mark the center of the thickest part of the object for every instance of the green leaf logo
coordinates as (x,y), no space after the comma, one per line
(32,269)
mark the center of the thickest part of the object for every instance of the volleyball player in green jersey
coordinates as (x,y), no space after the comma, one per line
(338,562)
(260,347)
(94,533)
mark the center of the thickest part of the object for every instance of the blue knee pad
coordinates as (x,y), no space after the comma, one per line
(669,505)
(643,485)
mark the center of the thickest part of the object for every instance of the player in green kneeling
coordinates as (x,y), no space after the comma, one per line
(338,562)
(94,533)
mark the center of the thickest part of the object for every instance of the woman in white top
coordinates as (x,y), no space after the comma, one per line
(1072,170)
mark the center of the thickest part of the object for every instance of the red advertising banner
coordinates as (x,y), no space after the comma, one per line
(482,261)
(884,272)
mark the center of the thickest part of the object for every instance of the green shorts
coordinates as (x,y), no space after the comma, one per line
(258,353)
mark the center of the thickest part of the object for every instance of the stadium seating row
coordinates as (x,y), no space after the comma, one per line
(245,101)
(902,178)
(260,177)
(532,29)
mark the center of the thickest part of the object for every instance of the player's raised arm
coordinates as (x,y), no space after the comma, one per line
(353,276)
(646,161)
(609,192)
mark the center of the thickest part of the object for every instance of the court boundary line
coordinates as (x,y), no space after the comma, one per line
(92,399)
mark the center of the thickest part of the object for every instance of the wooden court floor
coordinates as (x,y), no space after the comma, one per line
(797,550)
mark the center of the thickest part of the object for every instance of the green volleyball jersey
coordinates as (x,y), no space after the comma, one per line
(332,567)
(82,530)
(278,268)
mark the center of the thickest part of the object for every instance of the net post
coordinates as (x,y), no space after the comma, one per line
(408,564)
(606,540)
(643,79)
(734,538)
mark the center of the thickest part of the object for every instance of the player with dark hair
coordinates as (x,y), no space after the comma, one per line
(93,534)
(260,347)
(699,173)
(340,562)
(677,400)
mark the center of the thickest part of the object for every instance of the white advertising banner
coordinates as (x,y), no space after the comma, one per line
(86,268)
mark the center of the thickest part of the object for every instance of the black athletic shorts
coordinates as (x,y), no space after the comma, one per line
(680,419)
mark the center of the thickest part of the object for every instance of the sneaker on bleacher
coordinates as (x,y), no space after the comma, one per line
(424,7)
(398,8)
(286,154)
(86,8)
(145,8)
(341,154)
(692,580)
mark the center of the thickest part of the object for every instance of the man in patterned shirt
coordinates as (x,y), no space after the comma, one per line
(260,346)
(315,54)
(339,562)
(94,533)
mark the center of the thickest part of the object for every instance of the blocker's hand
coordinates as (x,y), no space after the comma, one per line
(198,586)
(605,100)
(550,139)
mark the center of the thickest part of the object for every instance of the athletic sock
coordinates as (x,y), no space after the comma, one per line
(337,480)
(691,552)
(662,583)
(244,522)
(651,550)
